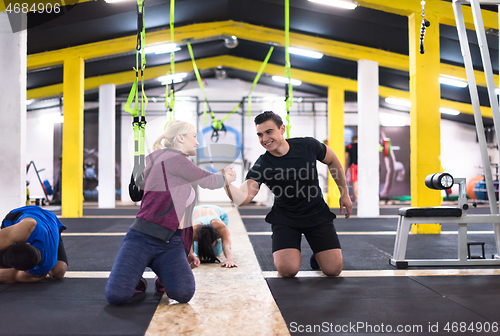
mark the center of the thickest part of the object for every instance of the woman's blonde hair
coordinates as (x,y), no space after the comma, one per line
(169,137)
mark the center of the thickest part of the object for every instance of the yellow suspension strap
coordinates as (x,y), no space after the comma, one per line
(140,105)
(217,125)
(200,83)
(170,102)
(257,77)
(288,91)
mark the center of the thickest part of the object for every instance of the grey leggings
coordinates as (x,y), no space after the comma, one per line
(167,259)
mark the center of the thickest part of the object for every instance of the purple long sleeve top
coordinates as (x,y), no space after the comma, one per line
(170,177)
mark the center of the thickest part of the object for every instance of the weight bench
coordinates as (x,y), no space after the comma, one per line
(458,215)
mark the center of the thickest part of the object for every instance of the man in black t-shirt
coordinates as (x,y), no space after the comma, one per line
(288,168)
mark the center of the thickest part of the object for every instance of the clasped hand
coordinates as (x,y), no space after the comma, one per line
(229,173)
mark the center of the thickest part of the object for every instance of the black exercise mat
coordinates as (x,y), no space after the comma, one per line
(256,225)
(363,305)
(482,298)
(71,307)
(128,211)
(91,253)
(253,210)
(75,225)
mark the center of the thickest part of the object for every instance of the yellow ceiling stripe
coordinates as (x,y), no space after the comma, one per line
(244,31)
(127,77)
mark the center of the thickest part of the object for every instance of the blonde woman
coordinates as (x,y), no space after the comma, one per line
(162,234)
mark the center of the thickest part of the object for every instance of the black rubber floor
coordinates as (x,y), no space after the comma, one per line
(71,307)
(76,225)
(78,306)
(439,305)
(94,211)
(388,305)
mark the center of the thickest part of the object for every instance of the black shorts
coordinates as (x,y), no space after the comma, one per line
(321,237)
(61,252)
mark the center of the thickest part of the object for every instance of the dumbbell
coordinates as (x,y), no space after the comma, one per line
(387,147)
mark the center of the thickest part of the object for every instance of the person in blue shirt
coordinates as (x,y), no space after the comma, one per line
(31,246)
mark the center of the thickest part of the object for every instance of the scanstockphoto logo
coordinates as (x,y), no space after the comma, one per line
(24,14)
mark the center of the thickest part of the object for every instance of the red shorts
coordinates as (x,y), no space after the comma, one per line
(353,173)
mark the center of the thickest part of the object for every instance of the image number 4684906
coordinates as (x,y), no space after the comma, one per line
(26,14)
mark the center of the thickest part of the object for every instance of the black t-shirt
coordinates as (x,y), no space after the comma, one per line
(293,177)
(352,149)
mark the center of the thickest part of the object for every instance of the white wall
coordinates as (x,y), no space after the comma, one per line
(460,153)
(40,147)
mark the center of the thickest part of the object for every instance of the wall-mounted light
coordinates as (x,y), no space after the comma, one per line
(280,79)
(337,3)
(453,81)
(51,118)
(393,120)
(449,111)
(162,48)
(177,78)
(304,52)
(113,1)
(398,101)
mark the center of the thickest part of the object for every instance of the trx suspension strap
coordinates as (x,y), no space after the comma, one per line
(257,77)
(218,125)
(170,102)
(200,83)
(288,90)
(140,105)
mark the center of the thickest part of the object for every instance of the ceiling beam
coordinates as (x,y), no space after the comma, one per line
(244,31)
(443,9)
(151,73)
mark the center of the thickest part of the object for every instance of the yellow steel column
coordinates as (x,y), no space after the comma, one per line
(425,94)
(72,146)
(335,137)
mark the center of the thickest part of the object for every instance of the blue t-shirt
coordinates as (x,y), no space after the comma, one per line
(45,236)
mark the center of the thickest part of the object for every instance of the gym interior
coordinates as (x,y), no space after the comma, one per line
(415,81)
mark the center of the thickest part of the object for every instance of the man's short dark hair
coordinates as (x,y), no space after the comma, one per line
(268,115)
(21,256)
